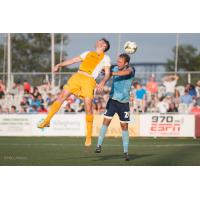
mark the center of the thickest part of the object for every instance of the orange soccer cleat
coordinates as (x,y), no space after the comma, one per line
(88,141)
(44,124)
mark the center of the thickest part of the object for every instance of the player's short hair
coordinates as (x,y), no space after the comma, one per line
(125,56)
(107,44)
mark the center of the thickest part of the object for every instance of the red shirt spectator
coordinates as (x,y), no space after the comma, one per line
(2,89)
(2,86)
(195,110)
(196,107)
(152,86)
(42,109)
(27,86)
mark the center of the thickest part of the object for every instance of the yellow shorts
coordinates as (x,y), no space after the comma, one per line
(81,85)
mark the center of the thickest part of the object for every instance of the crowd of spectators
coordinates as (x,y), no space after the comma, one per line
(165,97)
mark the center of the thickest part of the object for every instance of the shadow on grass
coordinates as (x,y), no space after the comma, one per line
(102,157)
(117,156)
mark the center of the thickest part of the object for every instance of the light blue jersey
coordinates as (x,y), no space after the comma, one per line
(121,86)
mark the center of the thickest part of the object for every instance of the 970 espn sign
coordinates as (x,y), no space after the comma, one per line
(167,125)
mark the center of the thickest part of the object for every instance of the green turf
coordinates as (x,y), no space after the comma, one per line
(70,151)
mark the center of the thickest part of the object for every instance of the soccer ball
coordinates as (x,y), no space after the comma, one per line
(130,47)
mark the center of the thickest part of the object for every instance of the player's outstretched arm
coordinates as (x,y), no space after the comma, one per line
(104,80)
(67,62)
(122,73)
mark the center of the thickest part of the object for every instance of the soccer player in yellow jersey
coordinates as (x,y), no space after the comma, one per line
(82,84)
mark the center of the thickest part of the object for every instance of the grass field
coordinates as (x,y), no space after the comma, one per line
(70,151)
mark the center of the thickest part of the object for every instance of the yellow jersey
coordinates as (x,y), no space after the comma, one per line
(93,63)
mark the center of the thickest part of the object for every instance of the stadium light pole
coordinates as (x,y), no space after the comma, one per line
(52,59)
(176,56)
(8,61)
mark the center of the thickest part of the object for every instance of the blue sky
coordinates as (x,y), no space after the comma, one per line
(152,47)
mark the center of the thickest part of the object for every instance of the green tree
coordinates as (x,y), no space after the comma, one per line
(188,59)
(31,52)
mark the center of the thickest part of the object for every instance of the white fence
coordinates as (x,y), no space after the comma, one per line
(38,78)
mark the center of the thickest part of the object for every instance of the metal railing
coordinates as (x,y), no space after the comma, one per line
(38,78)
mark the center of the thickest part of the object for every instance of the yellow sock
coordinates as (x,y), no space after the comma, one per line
(89,125)
(54,109)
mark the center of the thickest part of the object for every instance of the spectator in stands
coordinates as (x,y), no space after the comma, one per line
(152,86)
(20,87)
(39,97)
(152,104)
(68,108)
(26,93)
(14,90)
(2,89)
(162,105)
(186,98)
(172,108)
(192,90)
(13,109)
(177,96)
(198,88)
(1,109)
(22,110)
(35,92)
(24,102)
(196,108)
(81,107)
(49,99)
(170,83)
(33,109)
(42,109)
(6,110)
(45,87)
(140,97)
(35,102)
(98,104)
(27,86)
(70,99)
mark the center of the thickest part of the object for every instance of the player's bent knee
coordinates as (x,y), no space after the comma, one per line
(106,122)
(124,126)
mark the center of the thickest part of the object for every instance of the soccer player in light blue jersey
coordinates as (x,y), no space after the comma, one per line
(118,102)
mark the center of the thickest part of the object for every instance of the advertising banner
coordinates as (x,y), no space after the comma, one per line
(167,125)
(26,125)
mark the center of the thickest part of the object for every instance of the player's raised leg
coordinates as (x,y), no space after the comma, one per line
(104,127)
(54,108)
(125,139)
(89,120)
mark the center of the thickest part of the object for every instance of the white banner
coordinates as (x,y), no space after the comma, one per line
(26,125)
(155,125)
(167,125)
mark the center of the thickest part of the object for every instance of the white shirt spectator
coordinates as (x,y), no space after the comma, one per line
(162,107)
(170,86)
